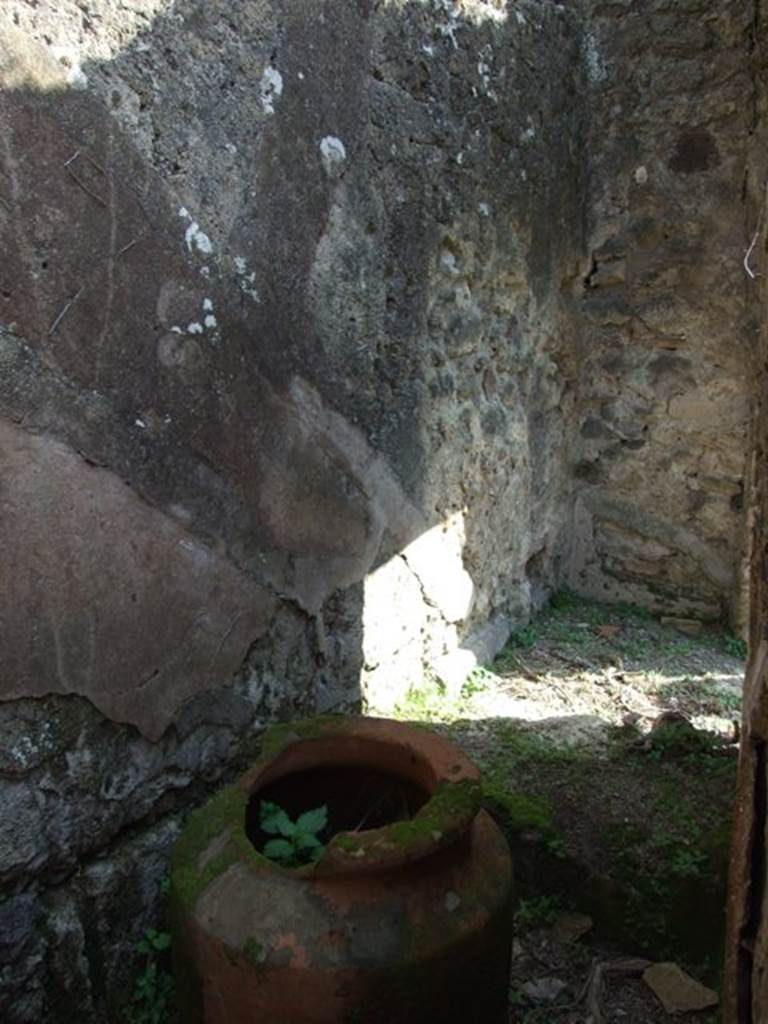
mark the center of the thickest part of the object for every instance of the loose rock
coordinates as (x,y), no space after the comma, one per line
(543,990)
(678,991)
(569,928)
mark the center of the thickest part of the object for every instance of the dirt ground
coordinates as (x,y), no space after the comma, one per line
(608,742)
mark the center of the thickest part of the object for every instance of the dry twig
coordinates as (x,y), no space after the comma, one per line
(755,237)
(83,186)
(65,310)
(524,670)
(592,990)
(748,253)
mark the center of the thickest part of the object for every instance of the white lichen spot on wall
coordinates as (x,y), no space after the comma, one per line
(197,239)
(457,11)
(77,78)
(333,154)
(448,262)
(487,10)
(69,58)
(641,175)
(209,320)
(271,87)
(448,28)
(246,279)
(194,328)
(596,70)
(26,750)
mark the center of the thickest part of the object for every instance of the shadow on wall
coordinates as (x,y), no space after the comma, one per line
(217,334)
(270,319)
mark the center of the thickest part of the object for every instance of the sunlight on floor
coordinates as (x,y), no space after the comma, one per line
(578,680)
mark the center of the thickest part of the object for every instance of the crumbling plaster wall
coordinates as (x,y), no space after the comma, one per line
(333,337)
(287,405)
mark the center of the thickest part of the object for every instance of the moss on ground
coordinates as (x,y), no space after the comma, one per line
(521,813)
(637,837)
(632,828)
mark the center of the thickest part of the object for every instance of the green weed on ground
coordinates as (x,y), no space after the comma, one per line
(570,622)
(153,990)
(537,911)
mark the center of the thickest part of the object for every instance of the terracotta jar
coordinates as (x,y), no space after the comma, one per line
(405,917)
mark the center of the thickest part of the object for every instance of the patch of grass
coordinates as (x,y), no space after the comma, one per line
(478,681)
(573,612)
(537,911)
(681,647)
(729,701)
(519,746)
(687,863)
(520,811)
(679,739)
(570,633)
(430,702)
(654,879)
(633,611)
(566,601)
(703,695)
(638,646)
(556,846)
(153,991)
(671,875)
(734,646)
(506,661)
(427,703)
(524,639)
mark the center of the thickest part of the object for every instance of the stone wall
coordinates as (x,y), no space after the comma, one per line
(660,507)
(333,338)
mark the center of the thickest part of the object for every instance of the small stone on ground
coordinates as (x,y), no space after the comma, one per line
(571,927)
(543,990)
(678,991)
